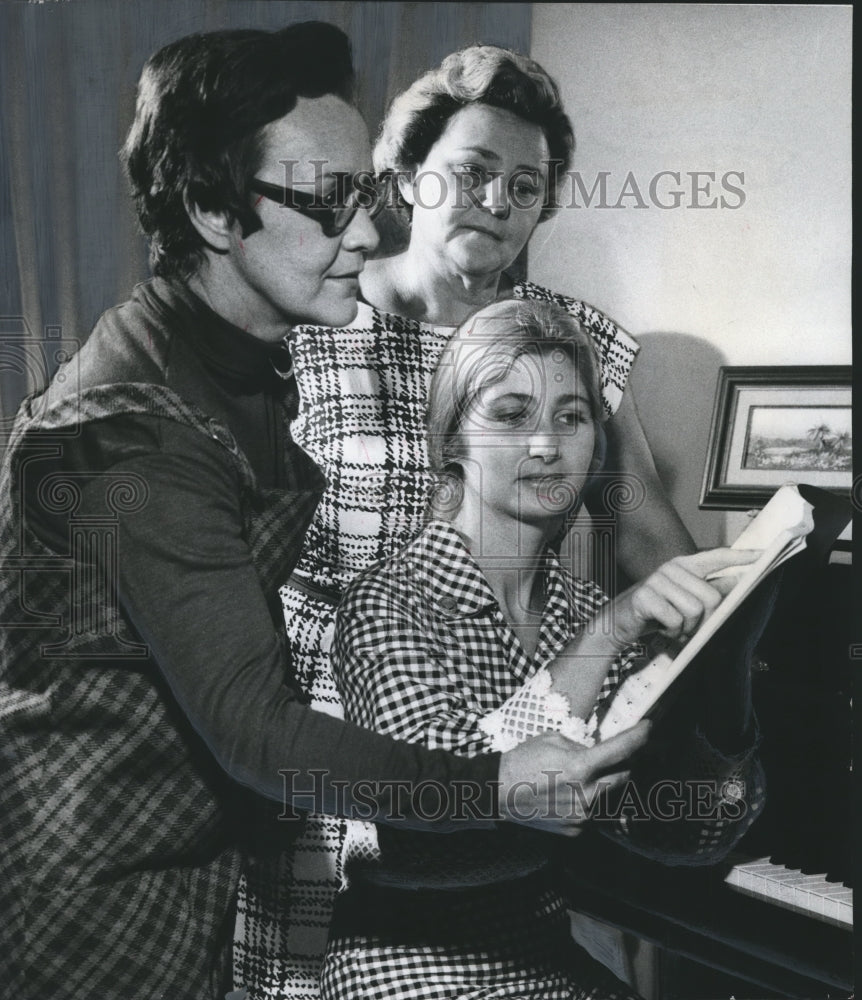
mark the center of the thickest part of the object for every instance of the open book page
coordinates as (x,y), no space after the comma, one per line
(780,530)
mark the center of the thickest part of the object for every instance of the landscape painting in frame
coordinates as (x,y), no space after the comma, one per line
(777,425)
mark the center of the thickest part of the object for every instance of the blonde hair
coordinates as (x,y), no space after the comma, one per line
(482,351)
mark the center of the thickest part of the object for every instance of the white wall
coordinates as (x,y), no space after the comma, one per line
(763,90)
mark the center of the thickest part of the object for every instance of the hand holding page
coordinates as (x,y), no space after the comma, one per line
(787,511)
(780,530)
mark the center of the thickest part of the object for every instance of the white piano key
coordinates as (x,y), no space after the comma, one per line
(789,888)
(814,903)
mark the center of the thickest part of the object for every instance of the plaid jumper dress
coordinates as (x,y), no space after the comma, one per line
(118,862)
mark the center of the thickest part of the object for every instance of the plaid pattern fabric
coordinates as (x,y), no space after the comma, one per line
(119,867)
(362,419)
(273,957)
(617,350)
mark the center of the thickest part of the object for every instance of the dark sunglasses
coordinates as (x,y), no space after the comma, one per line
(335,209)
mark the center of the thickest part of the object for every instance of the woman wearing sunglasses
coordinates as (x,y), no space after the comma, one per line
(151,503)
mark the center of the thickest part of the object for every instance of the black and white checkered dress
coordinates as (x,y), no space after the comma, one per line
(363,392)
(423,653)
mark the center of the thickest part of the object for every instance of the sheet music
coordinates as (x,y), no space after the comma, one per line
(780,530)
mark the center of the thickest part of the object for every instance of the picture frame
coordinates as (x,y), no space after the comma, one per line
(777,424)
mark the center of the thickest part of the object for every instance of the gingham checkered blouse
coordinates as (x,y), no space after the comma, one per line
(422,650)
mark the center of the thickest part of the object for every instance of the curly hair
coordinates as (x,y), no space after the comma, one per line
(197,137)
(480,74)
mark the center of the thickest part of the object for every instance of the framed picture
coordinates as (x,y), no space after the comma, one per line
(774,425)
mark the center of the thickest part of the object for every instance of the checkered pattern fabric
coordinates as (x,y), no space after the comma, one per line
(363,393)
(423,652)
(119,868)
(425,972)
(509,940)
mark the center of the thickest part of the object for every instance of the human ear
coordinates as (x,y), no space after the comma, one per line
(215,228)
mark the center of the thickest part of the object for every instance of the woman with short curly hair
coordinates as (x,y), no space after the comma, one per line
(475,151)
(483,74)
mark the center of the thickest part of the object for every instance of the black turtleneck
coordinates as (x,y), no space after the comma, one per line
(165,334)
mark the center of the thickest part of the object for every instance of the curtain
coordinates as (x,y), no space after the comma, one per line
(68,71)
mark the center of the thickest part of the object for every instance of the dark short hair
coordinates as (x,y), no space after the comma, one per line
(480,74)
(481,352)
(196,137)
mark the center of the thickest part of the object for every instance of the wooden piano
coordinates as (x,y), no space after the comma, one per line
(775,920)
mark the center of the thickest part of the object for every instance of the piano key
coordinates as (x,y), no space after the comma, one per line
(812,894)
(840,893)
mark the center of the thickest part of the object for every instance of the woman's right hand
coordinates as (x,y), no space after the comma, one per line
(673,600)
(677,597)
(550,783)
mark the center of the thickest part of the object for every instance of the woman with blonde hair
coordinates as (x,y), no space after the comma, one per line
(474,637)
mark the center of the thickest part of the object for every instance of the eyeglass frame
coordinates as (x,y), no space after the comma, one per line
(315,205)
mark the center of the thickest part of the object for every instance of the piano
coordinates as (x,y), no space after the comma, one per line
(712,939)
(774,920)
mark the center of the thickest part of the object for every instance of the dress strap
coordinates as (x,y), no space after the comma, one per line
(328,595)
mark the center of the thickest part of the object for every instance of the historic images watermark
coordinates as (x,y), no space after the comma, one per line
(667,800)
(81,619)
(27,362)
(667,189)
(527,189)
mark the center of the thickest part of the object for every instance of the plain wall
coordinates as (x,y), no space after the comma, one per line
(760,90)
